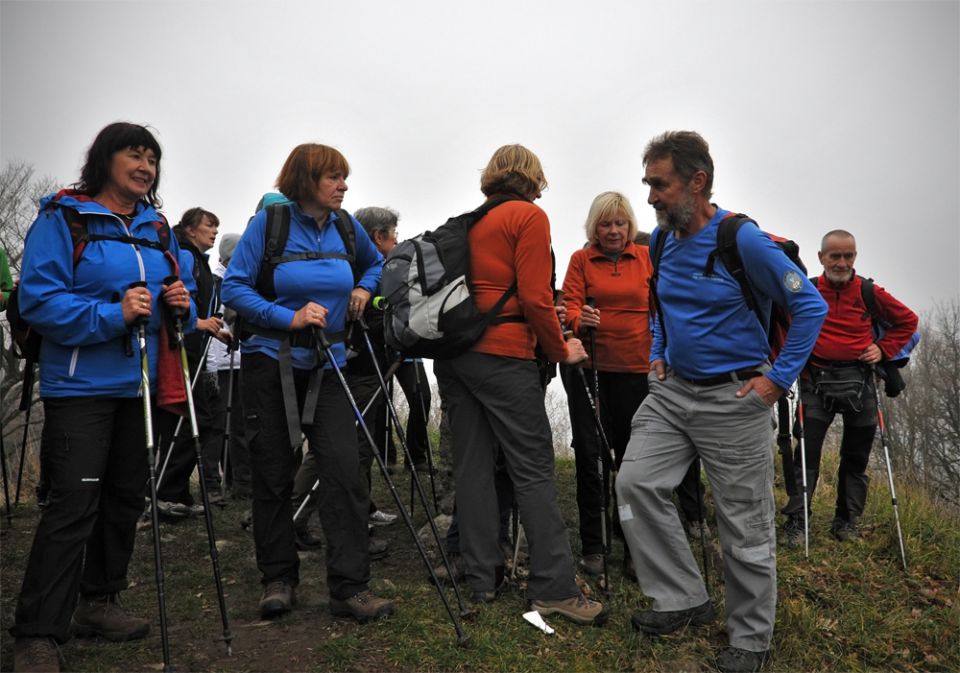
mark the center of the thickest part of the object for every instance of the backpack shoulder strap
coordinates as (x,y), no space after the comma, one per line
(729,254)
(656,252)
(349,235)
(869,296)
(275,240)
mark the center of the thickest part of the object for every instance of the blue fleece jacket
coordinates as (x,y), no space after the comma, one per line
(327,282)
(709,327)
(77,309)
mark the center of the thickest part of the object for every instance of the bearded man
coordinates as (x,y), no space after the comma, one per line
(712,387)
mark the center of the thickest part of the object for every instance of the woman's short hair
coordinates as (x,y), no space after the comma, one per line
(376,219)
(113,138)
(305,166)
(513,169)
(607,206)
(191,219)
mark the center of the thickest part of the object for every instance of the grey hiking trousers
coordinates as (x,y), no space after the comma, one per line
(678,421)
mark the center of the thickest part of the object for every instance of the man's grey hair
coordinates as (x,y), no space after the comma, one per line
(376,219)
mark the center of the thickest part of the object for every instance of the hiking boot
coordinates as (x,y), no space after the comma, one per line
(196,509)
(215,495)
(172,510)
(380,518)
(363,607)
(592,564)
(104,616)
(668,621)
(456,566)
(735,660)
(844,530)
(793,532)
(36,655)
(377,549)
(579,609)
(695,528)
(278,597)
(305,540)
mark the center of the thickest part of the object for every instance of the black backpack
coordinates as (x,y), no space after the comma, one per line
(26,340)
(430,309)
(729,254)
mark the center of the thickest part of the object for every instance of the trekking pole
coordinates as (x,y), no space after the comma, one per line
(784,444)
(140,324)
(208,515)
(602,471)
(803,470)
(316,484)
(26,404)
(176,431)
(225,449)
(424,412)
(324,346)
(886,459)
(6,485)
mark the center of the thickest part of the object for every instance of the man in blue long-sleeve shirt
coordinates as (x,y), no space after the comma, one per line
(711,390)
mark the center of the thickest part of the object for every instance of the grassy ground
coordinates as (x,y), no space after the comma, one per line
(848,607)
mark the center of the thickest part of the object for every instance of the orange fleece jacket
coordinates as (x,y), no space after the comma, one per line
(620,290)
(512,243)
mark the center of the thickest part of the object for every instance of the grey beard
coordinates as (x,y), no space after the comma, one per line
(675,220)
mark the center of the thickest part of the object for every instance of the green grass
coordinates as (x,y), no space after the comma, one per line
(848,607)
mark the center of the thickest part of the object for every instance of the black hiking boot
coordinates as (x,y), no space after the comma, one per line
(793,532)
(736,660)
(844,530)
(668,621)
(104,616)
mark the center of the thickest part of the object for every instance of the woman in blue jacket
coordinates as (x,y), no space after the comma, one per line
(94,263)
(322,273)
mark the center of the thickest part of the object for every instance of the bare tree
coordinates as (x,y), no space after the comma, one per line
(923,424)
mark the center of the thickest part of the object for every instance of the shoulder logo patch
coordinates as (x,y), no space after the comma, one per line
(792,281)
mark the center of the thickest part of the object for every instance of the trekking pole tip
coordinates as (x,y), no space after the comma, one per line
(463,640)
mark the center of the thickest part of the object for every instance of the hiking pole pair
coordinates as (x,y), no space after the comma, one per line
(26,404)
(176,431)
(225,449)
(881,424)
(803,472)
(140,327)
(325,352)
(178,314)
(316,484)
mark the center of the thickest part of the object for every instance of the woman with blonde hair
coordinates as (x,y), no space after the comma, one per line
(494,396)
(605,294)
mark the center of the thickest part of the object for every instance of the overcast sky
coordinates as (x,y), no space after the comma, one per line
(819,114)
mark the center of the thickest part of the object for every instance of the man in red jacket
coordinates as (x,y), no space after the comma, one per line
(839,378)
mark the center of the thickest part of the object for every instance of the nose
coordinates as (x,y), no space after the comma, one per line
(650,198)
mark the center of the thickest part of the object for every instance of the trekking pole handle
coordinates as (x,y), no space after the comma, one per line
(592,303)
(321,338)
(176,311)
(140,320)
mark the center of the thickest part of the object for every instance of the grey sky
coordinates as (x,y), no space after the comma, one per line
(819,114)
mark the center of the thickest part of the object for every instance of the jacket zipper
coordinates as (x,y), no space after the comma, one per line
(73,361)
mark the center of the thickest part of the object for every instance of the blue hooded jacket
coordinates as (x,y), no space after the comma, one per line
(76,308)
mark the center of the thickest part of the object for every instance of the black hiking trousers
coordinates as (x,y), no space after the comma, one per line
(94,456)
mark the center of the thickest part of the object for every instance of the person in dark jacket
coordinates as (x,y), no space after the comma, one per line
(196,232)
(846,349)
(93,446)
(314,288)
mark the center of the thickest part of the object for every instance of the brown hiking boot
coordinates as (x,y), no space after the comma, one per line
(456,566)
(36,655)
(363,607)
(278,597)
(592,564)
(579,609)
(104,616)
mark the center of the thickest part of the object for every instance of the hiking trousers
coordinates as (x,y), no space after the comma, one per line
(342,497)
(733,437)
(859,429)
(494,400)
(95,459)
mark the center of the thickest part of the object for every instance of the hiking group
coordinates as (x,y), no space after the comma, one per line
(672,355)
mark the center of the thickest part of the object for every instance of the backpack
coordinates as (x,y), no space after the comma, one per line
(430,311)
(729,254)
(26,340)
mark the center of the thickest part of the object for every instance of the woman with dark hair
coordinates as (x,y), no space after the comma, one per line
(196,233)
(495,399)
(94,265)
(325,271)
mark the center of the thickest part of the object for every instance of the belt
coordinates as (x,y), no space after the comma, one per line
(729,377)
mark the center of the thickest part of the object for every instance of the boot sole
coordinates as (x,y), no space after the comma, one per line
(113,636)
